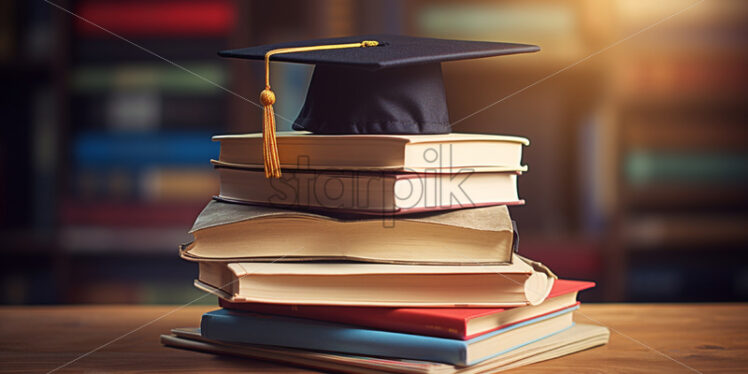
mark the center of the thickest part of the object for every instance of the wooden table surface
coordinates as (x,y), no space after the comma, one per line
(663,338)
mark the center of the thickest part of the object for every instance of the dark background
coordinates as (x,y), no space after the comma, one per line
(638,164)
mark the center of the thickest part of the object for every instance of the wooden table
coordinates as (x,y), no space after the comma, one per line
(644,338)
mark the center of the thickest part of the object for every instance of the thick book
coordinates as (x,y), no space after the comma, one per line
(369,192)
(575,339)
(298,150)
(237,232)
(454,323)
(254,328)
(519,283)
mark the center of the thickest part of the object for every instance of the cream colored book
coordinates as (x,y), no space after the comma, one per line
(237,232)
(302,150)
(521,282)
(577,338)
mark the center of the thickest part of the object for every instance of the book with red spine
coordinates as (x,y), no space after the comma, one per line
(454,323)
(156,18)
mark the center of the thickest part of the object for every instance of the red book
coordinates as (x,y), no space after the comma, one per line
(156,18)
(454,323)
(128,214)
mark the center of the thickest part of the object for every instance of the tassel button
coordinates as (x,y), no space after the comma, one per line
(267,97)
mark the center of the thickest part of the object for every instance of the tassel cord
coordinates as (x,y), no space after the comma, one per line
(267,99)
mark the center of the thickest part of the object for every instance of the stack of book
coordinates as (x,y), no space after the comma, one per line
(377,253)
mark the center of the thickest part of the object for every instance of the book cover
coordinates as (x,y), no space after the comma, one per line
(253,328)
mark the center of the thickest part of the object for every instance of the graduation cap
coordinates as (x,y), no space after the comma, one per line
(371,84)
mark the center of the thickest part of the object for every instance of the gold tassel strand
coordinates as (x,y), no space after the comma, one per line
(267,99)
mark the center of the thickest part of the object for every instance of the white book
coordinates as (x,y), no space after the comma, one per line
(417,153)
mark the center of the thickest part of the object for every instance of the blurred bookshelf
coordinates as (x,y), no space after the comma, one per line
(636,178)
(637,163)
(118,164)
(109,150)
(677,118)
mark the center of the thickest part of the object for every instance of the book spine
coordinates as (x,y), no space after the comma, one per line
(253,328)
(389,319)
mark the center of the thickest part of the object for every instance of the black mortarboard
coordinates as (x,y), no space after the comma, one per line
(371,84)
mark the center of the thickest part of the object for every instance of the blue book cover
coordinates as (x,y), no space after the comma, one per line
(253,328)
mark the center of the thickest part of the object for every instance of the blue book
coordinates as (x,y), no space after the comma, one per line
(106,150)
(254,328)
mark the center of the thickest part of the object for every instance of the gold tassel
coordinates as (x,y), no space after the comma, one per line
(269,143)
(267,99)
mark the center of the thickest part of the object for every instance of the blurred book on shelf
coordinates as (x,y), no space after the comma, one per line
(165,166)
(694,167)
(687,231)
(134,292)
(134,240)
(134,150)
(553,23)
(112,213)
(206,77)
(681,76)
(149,110)
(7,30)
(155,18)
